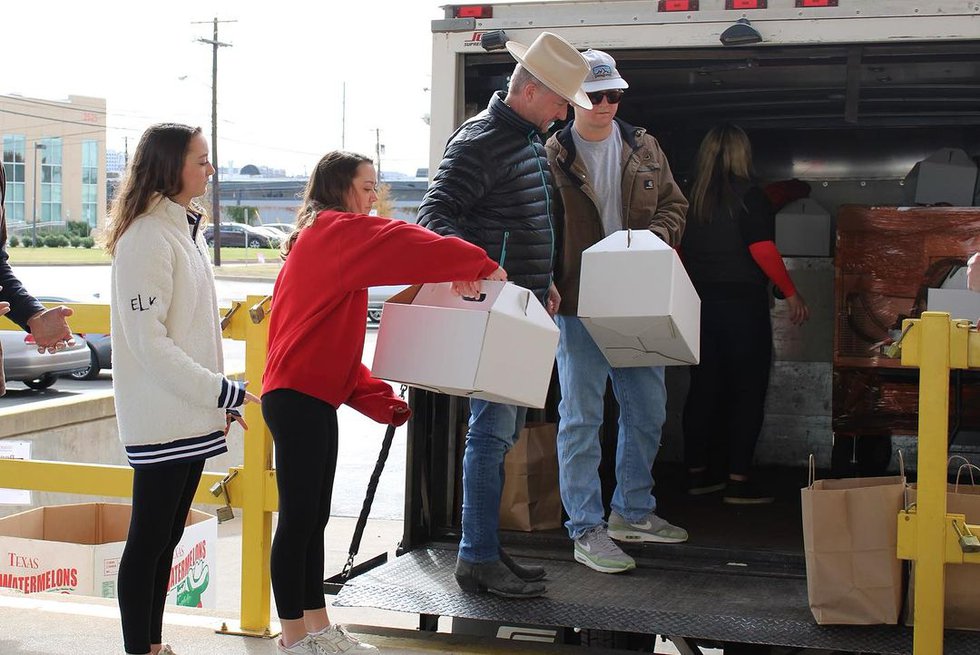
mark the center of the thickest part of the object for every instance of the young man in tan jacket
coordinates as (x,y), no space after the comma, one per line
(611,176)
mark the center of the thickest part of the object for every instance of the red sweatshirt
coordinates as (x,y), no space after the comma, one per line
(319,304)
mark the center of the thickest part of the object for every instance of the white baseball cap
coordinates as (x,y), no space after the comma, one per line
(602,72)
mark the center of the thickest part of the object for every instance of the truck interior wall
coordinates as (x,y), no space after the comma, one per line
(913,99)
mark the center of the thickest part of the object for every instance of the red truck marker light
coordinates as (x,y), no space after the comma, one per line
(677,5)
(746,4)
(816,3)
(474,11)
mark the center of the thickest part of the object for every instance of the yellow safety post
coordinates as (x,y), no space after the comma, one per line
(926,533)
(930,562)
(258,493)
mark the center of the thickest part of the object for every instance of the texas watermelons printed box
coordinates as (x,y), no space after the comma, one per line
(75,549)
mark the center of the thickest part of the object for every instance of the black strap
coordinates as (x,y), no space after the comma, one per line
(355,542)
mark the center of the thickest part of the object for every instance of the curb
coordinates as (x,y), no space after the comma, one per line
(46,415)
(19,264)
(243,278)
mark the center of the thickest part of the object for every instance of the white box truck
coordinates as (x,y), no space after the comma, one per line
(846,95)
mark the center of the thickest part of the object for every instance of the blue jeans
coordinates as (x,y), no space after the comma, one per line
(493,429)
(642,396)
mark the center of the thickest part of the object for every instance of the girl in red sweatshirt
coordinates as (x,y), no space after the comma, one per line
(316,339)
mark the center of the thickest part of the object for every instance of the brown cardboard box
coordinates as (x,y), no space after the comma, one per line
(75,549)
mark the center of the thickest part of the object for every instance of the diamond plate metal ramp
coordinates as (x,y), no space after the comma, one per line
(739,607)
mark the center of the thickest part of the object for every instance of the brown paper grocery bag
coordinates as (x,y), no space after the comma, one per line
(962,605)
(530,499)
(850,538)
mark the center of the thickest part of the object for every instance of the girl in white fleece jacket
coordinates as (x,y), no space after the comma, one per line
(173,403)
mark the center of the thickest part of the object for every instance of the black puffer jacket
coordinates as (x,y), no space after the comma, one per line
(494,189)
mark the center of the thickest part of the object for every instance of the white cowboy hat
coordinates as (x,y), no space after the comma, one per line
(557,63)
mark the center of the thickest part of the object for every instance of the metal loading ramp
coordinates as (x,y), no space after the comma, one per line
(733,607)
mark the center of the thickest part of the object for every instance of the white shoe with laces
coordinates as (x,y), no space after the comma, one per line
(336,639)
(305,646)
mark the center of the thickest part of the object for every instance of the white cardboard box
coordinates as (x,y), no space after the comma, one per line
(501,348)
(638,303)
(75,549)
(959,303)
(803,229)
(946,176)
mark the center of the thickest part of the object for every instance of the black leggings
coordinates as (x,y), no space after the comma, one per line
(305,433)
(725,405)
(161,499)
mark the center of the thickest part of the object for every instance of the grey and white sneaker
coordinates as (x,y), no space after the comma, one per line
(597,551)
(305,646)
(336,639)
(652,529)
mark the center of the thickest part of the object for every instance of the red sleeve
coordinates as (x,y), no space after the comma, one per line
(771,262)
(374,251)
(375,399)
(784,192)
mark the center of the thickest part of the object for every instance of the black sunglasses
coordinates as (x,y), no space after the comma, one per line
(613,96)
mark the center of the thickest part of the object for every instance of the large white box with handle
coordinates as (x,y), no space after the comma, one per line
(638,303)
(499,347)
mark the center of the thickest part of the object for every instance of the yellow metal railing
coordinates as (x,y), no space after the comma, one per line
(251,487)
(928,535)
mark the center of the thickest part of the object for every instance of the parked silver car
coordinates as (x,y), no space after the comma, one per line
(376,298)
(100,346)
(23,363)
(284,228)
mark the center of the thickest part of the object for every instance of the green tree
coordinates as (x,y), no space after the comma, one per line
(243,214)
(385,204)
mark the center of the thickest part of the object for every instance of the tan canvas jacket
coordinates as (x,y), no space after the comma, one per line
(652,200)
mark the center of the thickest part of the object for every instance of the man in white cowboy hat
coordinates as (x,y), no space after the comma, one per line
(493,188)
(612,176)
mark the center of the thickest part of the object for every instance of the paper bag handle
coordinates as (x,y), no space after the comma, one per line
(959,458)
(969,467)
(812,471)
(905,484)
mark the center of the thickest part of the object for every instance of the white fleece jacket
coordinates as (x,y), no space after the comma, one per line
(166,336)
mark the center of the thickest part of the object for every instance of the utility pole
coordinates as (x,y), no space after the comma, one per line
(215,188)
(378,149)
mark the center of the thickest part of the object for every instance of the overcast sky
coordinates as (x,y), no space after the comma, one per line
(279,86)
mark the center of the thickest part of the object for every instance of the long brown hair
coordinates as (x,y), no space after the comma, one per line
(327,189)
(155,169)
(725,155)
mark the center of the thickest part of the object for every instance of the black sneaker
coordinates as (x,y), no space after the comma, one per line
(744,492)
(701,483)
